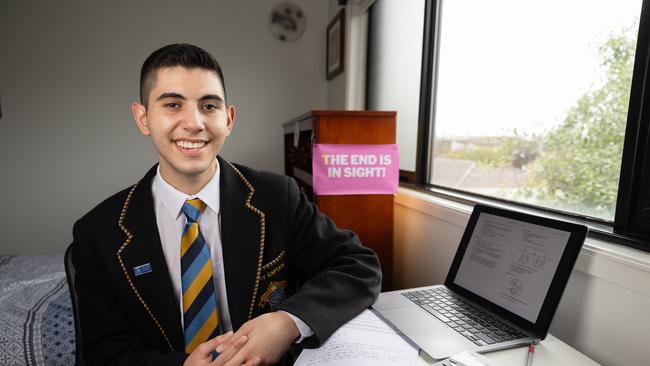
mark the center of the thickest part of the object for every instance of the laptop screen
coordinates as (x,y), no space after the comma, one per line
(511,263)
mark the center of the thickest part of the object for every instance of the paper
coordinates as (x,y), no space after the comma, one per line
(365,340)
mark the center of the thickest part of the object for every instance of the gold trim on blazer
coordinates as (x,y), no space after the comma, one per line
(262,234)
(277,259)
(120,223)
(130,238)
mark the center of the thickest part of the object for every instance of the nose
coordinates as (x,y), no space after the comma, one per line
(193,120)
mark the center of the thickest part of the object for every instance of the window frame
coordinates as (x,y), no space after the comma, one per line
(632,216)
(631,226)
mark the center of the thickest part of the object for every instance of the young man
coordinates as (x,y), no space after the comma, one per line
(199,248)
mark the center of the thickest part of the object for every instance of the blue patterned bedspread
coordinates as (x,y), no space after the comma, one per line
(36,323)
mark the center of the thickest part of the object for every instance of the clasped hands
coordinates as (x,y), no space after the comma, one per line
(260,341)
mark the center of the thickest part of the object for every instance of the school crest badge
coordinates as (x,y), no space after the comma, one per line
(274,294)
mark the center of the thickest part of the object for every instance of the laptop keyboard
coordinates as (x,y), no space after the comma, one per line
(466,319)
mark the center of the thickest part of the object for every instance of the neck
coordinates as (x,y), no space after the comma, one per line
(188,184)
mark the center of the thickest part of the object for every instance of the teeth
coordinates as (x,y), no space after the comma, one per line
(190,145)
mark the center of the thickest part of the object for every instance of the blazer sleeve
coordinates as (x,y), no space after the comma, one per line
(338,276)
(108,336)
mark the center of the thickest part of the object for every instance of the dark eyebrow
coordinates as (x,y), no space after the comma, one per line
(211,96)
(179,96)
(170,95)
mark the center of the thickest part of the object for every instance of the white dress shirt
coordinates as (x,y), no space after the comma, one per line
(168,202)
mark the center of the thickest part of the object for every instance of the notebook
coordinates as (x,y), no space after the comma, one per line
(502,288)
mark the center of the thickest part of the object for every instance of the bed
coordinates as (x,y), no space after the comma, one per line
(36,321)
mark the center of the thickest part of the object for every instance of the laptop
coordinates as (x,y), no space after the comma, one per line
(502,289)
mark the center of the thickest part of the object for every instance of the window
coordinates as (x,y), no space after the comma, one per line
(540,104)
(532,99)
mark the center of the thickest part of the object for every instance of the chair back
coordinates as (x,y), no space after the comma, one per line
(70,276)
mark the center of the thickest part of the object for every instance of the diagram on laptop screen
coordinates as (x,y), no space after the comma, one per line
(511,263)
(535,254)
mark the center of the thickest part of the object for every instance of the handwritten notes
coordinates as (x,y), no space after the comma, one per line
(365,340)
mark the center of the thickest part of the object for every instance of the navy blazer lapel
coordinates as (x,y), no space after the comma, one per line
(152,286)
(242,237)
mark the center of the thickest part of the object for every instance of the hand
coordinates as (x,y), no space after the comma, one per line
(269,337)
(202,354)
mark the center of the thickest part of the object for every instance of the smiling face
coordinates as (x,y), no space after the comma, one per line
(188,121)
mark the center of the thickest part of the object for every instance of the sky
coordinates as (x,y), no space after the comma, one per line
(507,64)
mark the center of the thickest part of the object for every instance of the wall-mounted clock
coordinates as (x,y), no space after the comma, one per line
(287,22)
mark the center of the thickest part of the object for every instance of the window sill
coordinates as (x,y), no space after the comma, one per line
(620,265)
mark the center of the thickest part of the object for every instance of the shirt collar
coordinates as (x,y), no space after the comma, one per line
(173,199)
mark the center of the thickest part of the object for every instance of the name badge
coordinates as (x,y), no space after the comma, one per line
(142,269)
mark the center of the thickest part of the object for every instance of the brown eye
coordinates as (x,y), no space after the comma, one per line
(172,105)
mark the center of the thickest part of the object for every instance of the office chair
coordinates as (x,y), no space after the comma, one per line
(70,276)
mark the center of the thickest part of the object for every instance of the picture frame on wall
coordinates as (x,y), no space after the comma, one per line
(335,45)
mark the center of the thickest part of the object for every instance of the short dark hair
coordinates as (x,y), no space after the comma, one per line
(179,54)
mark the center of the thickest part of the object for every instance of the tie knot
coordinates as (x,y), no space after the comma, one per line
(192,209)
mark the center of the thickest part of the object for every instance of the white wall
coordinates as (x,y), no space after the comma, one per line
(69,71)
(605,309)
(347,90)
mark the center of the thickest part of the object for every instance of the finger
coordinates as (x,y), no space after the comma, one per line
(222,338)
(227,354)
(208,346)
(237,360)
(255,361)
(230,341)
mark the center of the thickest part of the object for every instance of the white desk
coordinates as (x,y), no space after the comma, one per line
(550,351)
(369,340)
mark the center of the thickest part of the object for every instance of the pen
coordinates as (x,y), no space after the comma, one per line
(531,353)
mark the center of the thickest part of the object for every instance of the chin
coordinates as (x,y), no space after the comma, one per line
(190,168)
(195,171)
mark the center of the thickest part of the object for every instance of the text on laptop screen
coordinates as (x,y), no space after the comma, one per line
(511,263)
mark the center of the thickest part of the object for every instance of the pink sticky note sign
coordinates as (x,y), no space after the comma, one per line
(340,169)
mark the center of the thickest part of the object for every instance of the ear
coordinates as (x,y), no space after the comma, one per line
(140,116)
(230,115)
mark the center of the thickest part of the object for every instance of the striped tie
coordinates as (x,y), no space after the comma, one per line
(200,309)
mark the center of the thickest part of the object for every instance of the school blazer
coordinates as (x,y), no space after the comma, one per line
(279,253)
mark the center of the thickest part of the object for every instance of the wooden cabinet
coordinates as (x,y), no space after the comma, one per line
(370,216)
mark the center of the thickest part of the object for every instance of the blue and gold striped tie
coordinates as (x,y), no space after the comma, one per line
(200,306)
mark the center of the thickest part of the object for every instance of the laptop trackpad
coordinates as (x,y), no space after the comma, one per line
(412,321)
(427,332)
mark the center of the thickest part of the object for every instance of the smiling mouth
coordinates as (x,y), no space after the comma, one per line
(190,145)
